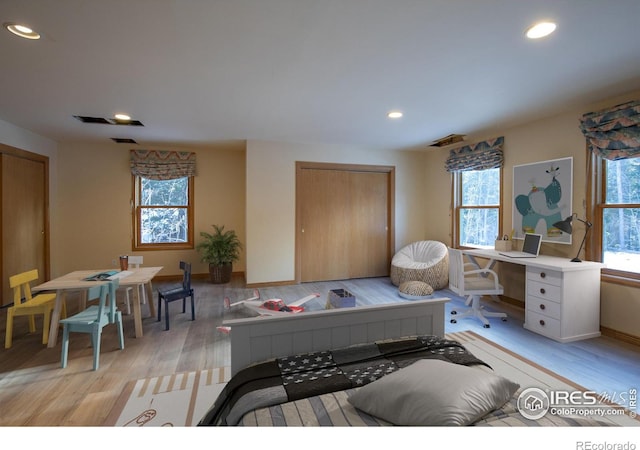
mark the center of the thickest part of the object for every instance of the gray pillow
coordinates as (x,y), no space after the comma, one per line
(434,392)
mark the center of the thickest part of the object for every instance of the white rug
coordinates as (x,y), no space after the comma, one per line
(531,375)
(172,400)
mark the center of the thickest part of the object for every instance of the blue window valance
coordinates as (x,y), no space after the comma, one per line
(614,133)
(481,156)
(162,165)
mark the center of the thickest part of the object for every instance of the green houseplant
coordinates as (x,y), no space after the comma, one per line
(220,249)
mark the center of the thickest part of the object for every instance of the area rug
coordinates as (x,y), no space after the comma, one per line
(183,399)
(173,400)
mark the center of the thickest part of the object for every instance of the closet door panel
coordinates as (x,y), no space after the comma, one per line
(325,225)
(368,242)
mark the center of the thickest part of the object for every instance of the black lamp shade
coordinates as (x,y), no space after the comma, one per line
(565,225)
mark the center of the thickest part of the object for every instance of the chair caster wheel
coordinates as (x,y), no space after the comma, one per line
(504,319)
(454,321)
(487,326)
(454,312)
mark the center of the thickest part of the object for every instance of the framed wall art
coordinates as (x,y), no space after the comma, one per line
(542,194)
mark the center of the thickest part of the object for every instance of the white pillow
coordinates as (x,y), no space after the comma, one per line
(434,392)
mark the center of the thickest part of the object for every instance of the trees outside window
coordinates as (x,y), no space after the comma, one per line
(163,215)
(618,216)
(477,207)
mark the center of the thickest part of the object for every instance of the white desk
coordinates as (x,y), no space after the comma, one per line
(562,298)
(75,281)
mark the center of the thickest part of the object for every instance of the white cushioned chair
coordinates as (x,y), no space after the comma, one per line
(426,261)
(469,281)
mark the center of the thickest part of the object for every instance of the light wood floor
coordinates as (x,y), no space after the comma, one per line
(35,391)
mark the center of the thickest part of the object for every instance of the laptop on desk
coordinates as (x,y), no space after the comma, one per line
(530,248)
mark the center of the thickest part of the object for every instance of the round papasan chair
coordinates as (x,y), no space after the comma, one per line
(426,261)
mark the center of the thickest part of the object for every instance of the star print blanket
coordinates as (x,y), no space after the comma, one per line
(296,377)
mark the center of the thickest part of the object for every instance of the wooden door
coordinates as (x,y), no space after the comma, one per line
(368,242)
(24,220)
(325,228)
(343,217)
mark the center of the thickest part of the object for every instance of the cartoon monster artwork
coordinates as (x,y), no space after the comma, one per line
(542,203)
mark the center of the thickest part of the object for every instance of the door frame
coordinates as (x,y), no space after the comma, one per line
(391,199)
(19,153)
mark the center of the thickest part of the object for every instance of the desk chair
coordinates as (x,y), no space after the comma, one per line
(467,280)
(24,304)
(181,292)
(93,319)
(135,262)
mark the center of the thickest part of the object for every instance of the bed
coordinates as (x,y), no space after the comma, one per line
(257,339)
(366,366)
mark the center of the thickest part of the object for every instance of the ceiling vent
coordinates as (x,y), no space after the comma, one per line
(123,141)
(448,140)
(109,121)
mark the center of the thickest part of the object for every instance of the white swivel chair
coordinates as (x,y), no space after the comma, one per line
(467,280)
(135,262)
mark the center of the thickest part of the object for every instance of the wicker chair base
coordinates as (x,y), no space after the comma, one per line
(437,275)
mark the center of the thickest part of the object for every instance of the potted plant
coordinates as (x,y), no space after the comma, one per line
(220,249)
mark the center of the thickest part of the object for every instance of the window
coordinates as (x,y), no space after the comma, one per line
(617,216)
(163,214)
(613,189)
(477,192)
(163,199)
(477,211)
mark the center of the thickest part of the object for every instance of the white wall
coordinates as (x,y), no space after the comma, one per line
(271,200)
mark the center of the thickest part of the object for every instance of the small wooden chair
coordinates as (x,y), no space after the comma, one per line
(178,293)
(135,262)
(24,304)
(93,319)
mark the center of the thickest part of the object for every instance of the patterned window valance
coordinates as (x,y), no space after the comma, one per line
(162,165)
(614,133)
(481,156)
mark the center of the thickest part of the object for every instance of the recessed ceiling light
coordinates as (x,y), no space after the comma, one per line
(21,30)
(122,117)
(540,30)
(394,114)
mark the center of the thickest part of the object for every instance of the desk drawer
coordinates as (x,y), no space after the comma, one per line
(543,306)
(542,324)
(544,275)
(543,290)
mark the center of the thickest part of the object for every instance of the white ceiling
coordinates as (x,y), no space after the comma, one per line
(322,71)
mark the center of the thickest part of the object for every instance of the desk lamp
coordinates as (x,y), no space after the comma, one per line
(565,226)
